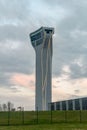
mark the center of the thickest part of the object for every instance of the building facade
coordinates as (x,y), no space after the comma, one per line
(41,40)
(73,104)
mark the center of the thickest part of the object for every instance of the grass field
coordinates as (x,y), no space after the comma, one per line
(59,126)
(47,120)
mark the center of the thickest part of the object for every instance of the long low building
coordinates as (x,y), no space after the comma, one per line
(72,104)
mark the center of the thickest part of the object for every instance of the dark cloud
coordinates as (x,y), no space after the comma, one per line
(17,60)
(70,39)
(72,43)
(4,79)
(12,32)
(14,10)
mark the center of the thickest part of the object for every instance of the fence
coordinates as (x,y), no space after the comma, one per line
(41,117)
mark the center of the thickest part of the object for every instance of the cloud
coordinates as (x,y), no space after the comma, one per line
(64,88)
(22,97)
(15,11)
(4,79)
(16,57)
(12,32)
(70,41)
(23,80)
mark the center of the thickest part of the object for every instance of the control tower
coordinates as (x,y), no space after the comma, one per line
(41,40)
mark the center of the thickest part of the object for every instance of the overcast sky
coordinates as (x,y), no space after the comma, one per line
(18,18)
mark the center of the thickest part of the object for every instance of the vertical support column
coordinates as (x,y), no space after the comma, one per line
(73,102)
(61,105)
(80,103)
(55,106)
(67,108)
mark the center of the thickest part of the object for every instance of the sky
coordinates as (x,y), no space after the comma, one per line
(18,18)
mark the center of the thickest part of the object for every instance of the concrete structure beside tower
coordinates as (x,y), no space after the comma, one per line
(41,40)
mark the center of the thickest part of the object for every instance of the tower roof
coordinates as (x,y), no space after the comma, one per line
(38,35)
(42,29)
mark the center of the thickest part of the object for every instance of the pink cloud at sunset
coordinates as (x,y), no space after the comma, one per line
(23,80)
(62,87)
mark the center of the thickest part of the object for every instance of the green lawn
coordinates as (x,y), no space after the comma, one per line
(59,126)
(42,117)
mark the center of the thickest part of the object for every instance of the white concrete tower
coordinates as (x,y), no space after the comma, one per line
(41,40)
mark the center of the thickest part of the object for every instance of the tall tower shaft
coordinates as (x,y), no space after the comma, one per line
(42,42)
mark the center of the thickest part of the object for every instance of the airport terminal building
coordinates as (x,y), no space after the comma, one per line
(72,104)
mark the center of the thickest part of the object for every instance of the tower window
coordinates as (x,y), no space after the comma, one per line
(36,37)
(48,31)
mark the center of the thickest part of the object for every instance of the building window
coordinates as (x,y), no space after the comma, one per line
(70,105)
(58,105)
(36,36)
(77,104)
(63,105)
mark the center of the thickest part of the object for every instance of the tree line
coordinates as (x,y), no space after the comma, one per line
(7,106)
(10,107)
